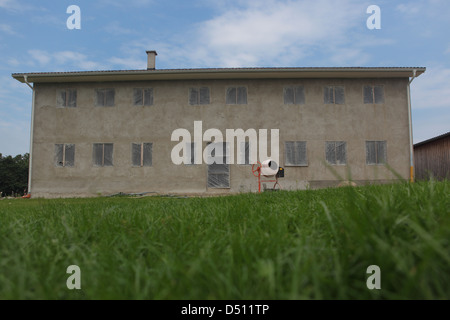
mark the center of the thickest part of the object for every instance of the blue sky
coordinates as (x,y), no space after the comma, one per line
(223,33)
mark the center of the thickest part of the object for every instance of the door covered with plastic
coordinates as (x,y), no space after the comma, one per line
(218,168)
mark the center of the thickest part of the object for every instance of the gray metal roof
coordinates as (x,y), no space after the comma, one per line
(442,136)
(220,73)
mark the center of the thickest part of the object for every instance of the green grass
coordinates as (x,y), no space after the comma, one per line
(282,245)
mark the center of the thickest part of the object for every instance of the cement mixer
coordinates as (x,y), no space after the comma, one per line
(268,169)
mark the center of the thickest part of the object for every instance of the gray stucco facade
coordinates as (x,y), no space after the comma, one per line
(314,122)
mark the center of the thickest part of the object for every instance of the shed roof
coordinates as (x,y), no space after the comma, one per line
(442,136)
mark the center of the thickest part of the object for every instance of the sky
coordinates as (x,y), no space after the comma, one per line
(114,35)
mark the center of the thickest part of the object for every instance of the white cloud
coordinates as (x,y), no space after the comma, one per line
(42,57)
(13,62)
(261,33)
(430,94)
(134,3)
(265,33)
(429,124)
(48,19)
(116,29)
(73,59)
(15,5)
(5,28)
(128,63)
(417,10)
(6,3)
(15,114)
(342,56)
(410,8)
(432,89)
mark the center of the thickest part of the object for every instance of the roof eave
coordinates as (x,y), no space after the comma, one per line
(193,74)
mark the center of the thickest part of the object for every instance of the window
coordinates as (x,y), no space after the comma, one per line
(295,152)
(236,95)
(294,95)
(336,152)
(373,94)
(67,98)
(143,97)
(334,95)
(198,96)
(64,155)
(219,173)
(245,153)
(141,154)
(103,154)
(105,97)
(376,152)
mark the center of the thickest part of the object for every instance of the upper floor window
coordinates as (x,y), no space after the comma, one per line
(67,98)
(199,96)
(105,97)
(294,95)
(236,95)
(143,96)
(373,94)
(334,95)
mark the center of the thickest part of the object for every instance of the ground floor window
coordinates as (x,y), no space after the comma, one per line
(103,154)
(64,155)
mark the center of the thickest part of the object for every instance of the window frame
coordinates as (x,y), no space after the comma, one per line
(373,95)
(295,92)
(335,143)
(105,91)
(198,96)
(142,162)
(376,163)
(296,146)
(226,166)
(64,163)
(327,87)
(102,165)
(143,95)
(67,92)
(236,98)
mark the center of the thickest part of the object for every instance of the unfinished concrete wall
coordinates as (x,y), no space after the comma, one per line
(123,124)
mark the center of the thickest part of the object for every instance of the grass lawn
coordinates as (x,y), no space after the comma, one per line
(314,244)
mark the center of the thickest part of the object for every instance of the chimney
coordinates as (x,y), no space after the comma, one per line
(151,64)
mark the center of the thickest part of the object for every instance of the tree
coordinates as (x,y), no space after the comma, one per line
(14,174)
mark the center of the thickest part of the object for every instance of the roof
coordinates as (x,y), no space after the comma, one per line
(219,73)
(442,136)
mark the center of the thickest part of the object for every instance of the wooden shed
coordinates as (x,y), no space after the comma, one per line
(432,158)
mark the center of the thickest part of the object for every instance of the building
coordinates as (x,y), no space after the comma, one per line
(432,158)
(105,132)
